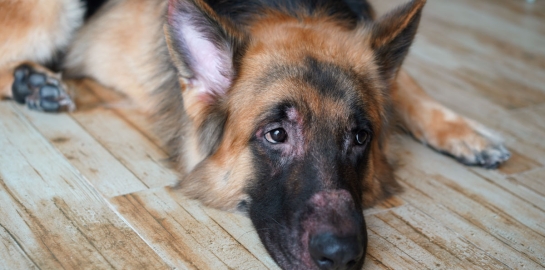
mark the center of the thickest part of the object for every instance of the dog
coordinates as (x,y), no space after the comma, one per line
(280,109)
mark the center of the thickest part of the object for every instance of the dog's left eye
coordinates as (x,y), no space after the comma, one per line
(278,135)
(361,137)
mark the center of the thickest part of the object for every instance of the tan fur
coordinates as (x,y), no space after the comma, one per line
(323,40)
(113,47)
(33,31)
(434,124)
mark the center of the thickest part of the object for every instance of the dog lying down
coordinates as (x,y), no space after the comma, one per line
(278,109)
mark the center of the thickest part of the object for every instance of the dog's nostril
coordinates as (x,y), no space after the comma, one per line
(333,252)
(325,262)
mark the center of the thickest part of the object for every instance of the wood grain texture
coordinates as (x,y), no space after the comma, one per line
(50,215)
(91,190)
(177,227)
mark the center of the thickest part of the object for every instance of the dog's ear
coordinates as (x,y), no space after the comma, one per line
(392,35)
(202,46)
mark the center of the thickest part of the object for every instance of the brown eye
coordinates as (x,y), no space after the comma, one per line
(278,135)
(361,137)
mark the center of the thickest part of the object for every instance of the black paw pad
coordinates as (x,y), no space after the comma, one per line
(20,88)
(39,91)
(36,79)
(47,99)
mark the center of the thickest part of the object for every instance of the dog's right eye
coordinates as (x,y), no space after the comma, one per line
(361,137)
(275,136)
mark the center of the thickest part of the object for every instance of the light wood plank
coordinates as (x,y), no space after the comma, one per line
(502,242)
(239,227)
(53,213)
(475,213)
(479,39)
(107,174)
(534,116)
(387,254)
(438,239)
(411,248)
(124,108)
(134,150)
(534,180)
(513,187)
(242,230)
(177,227)
(13,254)
(458,178)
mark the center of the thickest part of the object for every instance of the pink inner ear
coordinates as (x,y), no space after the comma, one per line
(211,63)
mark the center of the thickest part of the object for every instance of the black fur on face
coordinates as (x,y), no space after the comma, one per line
(320,159)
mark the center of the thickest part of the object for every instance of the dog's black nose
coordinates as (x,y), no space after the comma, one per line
(331,252)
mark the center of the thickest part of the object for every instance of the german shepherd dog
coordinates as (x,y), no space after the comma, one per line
(276,108)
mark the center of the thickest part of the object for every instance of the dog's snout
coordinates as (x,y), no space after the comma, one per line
(331,252)
(336,238)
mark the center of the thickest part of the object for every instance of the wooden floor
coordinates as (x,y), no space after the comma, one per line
(89,190)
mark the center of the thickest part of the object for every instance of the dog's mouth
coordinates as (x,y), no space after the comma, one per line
(327,233)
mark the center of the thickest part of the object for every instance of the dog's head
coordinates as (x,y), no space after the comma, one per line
(287,117)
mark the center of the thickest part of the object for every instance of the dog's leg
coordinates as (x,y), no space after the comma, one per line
(444,130)
(34,31)
(37,87)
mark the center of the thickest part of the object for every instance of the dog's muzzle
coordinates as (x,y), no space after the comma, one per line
(337,237)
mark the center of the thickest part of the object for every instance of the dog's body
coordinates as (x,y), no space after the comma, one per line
(280,109)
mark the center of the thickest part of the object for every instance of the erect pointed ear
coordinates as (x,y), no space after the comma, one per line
(202,46)
(392,35)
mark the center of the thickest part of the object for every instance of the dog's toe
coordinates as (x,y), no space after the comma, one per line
(36,79)
(20,87)
(46,99)
(50,98)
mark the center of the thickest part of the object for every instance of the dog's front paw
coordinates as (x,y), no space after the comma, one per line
(40,91)
(471,143)
(485,149)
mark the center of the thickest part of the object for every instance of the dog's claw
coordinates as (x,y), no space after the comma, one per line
(39,91)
